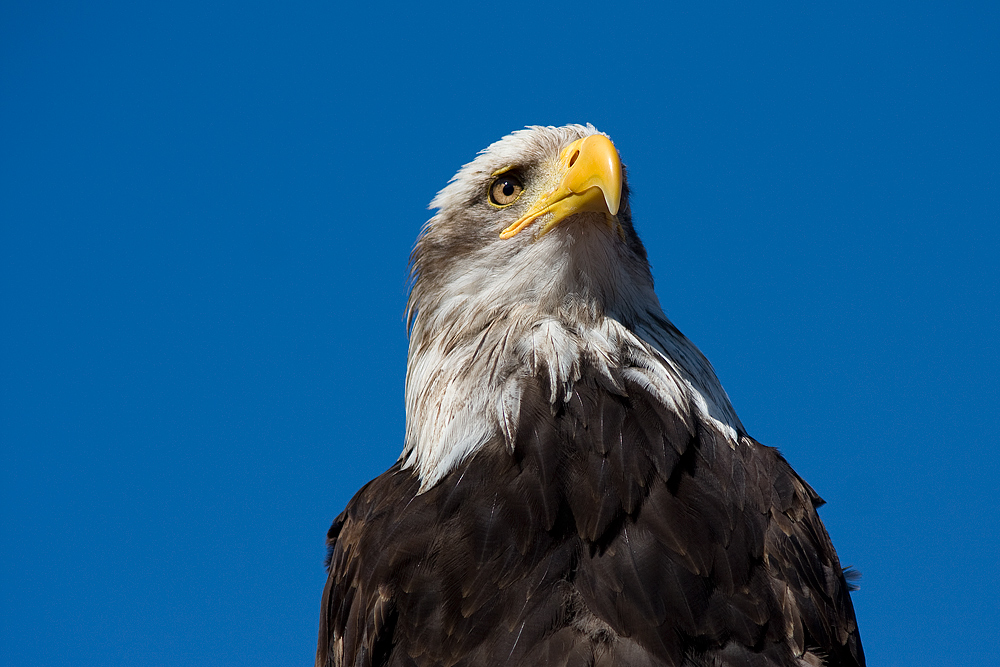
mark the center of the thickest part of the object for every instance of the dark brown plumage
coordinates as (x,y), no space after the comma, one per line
(606,525)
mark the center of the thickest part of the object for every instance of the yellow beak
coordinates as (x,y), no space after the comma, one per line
(592,181)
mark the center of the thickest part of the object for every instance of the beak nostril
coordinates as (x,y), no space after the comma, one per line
(572,160)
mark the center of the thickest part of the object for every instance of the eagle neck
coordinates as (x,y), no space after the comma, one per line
(465,388)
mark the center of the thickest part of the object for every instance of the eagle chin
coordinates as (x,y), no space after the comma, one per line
(575,488)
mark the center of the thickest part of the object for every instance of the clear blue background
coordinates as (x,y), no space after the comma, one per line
(207,209)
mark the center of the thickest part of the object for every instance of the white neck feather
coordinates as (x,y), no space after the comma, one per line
(462,391)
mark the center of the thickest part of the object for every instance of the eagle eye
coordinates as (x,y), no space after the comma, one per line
(505,189)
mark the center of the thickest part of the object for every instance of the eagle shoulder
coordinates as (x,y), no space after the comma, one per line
(614,532)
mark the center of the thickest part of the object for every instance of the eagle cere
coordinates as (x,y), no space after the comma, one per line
(575,488)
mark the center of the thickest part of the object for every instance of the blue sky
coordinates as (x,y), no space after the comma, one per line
(206,211)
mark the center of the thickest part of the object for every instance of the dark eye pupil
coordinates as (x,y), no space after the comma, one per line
(508,188)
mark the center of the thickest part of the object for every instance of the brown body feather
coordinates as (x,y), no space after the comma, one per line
(613,535)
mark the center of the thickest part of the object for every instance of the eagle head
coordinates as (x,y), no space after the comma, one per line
(539,218)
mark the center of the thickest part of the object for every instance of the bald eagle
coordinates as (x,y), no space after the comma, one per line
(575,488)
